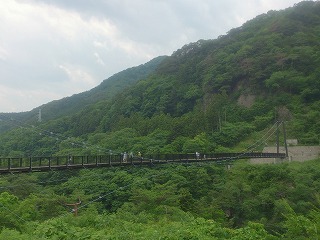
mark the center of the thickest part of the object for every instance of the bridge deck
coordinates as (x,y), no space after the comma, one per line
(41,164)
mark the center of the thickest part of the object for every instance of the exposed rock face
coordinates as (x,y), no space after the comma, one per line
(246,100)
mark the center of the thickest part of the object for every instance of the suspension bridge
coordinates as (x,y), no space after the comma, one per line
(41,164)
(50,163)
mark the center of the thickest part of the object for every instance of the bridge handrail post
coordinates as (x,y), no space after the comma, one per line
(30,163)
(49,162)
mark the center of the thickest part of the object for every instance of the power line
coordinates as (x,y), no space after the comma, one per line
(58,137)
(101,196)
(11,212)
(29,184)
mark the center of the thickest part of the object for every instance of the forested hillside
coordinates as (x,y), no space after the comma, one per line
(70,105)
(197,201)
(208,96)
(217,95)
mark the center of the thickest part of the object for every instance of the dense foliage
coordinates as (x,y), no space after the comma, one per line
(71,105)
(168,202)
(209,96)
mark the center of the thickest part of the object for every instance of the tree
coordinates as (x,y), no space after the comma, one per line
(9,217)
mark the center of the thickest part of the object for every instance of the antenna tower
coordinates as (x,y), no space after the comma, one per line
(39,116)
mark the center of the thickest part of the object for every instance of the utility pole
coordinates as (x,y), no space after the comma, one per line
(39,116)
(75,207)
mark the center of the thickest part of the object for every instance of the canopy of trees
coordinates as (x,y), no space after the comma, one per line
(190,99)
(184,103)
(168,202)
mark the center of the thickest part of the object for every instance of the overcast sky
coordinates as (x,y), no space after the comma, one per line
(50,49)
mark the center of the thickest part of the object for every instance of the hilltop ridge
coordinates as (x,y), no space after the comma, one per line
(211,95)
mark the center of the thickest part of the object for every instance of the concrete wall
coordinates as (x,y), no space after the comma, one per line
(296,153)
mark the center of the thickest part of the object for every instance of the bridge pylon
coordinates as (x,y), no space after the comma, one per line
(279,124)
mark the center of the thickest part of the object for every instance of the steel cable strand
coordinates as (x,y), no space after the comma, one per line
(262,138)
(265,140)
(245,151)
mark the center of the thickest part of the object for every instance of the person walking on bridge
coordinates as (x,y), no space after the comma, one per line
(125,157)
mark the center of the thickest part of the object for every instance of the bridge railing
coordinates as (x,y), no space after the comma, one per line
(37,163)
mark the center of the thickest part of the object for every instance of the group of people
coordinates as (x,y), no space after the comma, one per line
(126,156)
(198,156)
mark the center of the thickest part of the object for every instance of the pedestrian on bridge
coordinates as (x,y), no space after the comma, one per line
(125,157)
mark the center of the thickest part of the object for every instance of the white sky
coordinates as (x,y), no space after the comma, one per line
(50,49)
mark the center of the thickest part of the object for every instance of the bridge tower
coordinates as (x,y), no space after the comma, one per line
(284,136)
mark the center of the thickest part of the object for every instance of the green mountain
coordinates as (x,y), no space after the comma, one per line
(70,105)
(105,91)
(212,95)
